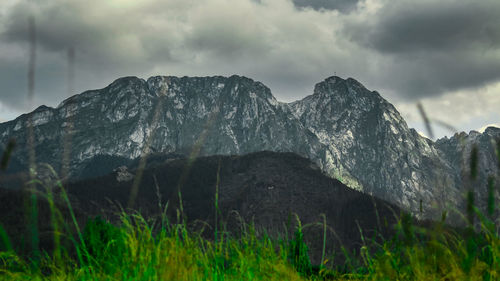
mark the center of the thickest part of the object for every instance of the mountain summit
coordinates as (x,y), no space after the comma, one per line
(351,133)
(370,146)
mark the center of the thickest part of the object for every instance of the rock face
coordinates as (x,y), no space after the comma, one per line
(371,148)
(351,133)
(457,151)
(215,115)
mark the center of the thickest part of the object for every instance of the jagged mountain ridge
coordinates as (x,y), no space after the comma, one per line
(232,115)
(370,144)
(457,151)
(350,132)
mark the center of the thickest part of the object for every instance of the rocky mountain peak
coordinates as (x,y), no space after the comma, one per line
(350,132)
(226,115)
(492,130)
(339,86)
(367,140)
(336,97)
(215,87)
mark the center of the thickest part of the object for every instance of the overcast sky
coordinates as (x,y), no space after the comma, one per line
(443,53)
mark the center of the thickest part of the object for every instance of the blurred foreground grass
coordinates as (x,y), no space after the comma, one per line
(140,250)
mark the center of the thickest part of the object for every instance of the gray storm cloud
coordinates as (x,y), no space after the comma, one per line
(340,5)
(434,46)
(424,26)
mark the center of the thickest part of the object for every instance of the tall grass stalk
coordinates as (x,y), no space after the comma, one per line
(133,250)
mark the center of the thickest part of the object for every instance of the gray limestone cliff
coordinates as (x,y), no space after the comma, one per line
(372,149)
(209,115)
(353,134)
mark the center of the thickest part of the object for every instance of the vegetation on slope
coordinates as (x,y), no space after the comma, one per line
(139,249)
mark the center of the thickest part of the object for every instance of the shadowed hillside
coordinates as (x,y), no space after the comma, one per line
(265,188)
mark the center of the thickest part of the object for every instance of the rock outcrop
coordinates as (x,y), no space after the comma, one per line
(351,133)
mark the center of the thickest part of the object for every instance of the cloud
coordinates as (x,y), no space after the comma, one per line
(6,113)
(432,26)
(270,41)
(109,43)
(341,5)
(465,110)
(432,47)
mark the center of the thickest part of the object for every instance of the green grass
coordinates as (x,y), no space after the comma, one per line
(162,250)
(134,252)
(138,249)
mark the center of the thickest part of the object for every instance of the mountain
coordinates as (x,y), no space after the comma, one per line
(457,151)
(371,148)
(351,133)
(234,115)
(264,188)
